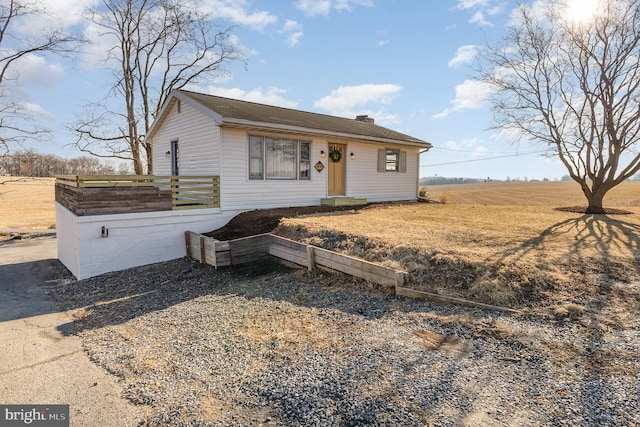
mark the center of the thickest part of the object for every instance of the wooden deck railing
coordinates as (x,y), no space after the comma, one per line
(187,191)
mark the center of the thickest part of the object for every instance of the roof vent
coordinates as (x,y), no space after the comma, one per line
(364,118)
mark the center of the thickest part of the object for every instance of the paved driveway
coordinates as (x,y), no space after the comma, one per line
(42,361)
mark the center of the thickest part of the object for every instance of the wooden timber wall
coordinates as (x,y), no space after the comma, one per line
(249,249)
(112,200)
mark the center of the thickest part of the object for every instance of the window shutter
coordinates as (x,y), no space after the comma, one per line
(382,156)
(402,167)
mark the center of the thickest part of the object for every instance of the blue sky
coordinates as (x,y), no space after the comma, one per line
(406,63)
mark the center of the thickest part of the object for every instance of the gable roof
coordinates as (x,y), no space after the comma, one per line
(236,113)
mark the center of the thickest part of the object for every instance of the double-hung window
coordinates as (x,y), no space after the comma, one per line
(392,160)
(279,158)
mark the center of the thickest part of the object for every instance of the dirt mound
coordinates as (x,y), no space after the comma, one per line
(261,221)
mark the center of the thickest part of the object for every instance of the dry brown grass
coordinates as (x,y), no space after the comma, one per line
(533,193)
(27,202)
(518,251)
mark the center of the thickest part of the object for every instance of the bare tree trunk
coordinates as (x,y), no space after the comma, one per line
(595,205)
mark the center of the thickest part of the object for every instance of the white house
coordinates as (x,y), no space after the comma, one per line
(270,156)
(215,157)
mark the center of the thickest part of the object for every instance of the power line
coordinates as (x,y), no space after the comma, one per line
(469,151)
(484,158)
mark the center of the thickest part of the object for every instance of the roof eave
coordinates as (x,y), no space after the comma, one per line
(266,126)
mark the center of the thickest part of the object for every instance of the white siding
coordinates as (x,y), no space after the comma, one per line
(198,143)
(207,149)
(238,192)
(364,180)
(133,239)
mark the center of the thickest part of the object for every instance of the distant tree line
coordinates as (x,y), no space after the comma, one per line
(31,163)
(441,180)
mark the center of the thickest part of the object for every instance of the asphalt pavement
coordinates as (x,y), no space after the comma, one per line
(41,359)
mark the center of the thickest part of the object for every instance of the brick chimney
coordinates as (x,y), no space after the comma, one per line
(365,118)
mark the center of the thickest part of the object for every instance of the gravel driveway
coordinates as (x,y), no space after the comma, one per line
(274,346)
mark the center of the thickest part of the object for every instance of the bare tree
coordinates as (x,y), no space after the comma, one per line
(158,46)
(575,86)
(16,121)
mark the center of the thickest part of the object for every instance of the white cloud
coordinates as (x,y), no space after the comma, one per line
(34,70)
(237,11)
(294,38)
(294,32)
(270,96)
(462,145)
(538,10)
(469,4)
(348,97)
(323,7)
(478,18)
(52,14)
(470,95)
(470,142)
(480,9)
(480,151)
(451,145)
(347,4)
(369,99)
(314,7)
(464,55)
(35,110)
(510,133)
(496,10)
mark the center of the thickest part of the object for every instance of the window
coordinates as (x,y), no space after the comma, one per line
(279,158)
(392,161)
(175,159)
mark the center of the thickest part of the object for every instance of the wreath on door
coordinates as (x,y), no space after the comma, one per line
(335,155)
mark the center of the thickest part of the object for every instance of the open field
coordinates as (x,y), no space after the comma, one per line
(27,202)
(533,193)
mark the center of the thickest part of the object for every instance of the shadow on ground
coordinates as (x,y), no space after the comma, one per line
(114,298)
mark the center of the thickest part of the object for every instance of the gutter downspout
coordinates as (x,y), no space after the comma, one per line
(418,172)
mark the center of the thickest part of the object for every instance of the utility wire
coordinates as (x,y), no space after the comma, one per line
(469,151)
(484,158)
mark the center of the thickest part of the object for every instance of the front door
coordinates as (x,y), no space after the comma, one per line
(336,173)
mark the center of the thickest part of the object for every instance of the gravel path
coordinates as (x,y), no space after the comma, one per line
(274,346)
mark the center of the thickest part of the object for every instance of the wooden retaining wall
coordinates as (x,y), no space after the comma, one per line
(249,249)
(241,251)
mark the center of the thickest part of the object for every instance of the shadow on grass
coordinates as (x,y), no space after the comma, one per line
(589,238)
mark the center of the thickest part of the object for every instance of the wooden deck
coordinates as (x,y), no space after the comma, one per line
(118,194)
